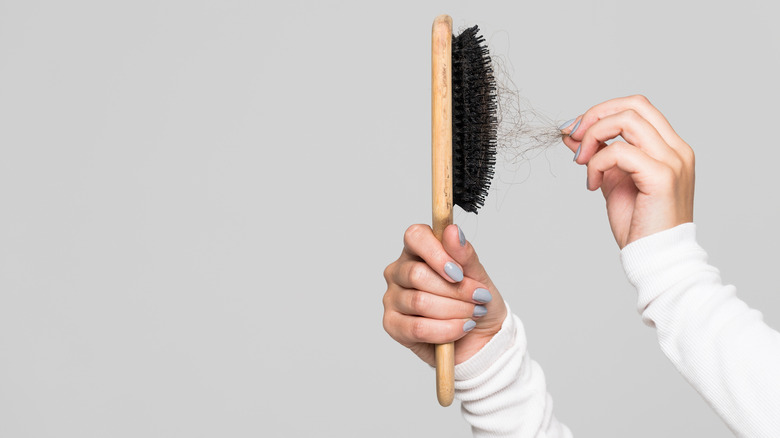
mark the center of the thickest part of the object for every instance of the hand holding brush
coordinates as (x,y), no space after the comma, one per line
(424,305)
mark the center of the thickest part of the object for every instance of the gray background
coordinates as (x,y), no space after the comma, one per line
(197,199)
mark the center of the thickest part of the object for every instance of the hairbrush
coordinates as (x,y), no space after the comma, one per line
(463,143)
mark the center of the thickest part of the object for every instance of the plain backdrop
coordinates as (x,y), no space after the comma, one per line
(198,198)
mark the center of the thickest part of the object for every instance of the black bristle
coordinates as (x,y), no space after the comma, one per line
(474,121)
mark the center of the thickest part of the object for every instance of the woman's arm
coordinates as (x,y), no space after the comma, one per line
(718,343)
(721,346)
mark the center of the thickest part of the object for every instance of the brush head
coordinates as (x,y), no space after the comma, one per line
(474,120)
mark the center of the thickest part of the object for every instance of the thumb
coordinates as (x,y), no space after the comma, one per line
(456,245)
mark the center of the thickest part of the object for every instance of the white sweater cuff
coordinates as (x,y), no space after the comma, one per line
(503,392)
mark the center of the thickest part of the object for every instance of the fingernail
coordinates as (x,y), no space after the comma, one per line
(462,237)
(480,310)
(566,124)
(575,128)
(482,295)
(453,271)
(469,326)
(577,154)
(587,182)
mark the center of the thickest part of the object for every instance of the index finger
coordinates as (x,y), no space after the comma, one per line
(642,106)
(635,129)
(419,241)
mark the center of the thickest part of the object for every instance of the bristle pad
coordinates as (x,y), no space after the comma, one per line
(474,120)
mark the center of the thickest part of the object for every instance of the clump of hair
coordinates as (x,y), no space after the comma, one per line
(522,130)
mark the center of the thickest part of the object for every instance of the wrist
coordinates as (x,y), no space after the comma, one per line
(491,349)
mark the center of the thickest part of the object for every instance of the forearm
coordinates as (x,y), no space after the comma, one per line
(503,392)
(720,345)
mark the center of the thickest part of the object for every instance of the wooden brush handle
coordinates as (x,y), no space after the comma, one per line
(441,159)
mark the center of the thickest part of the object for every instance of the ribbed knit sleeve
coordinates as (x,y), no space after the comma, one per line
(718,343)
(503,392)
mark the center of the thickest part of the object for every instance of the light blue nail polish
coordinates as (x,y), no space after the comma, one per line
(480,311)
(453,271)
(576,155)
(575,128)
(462,237)
(482,295)
(566,124)
(469,326)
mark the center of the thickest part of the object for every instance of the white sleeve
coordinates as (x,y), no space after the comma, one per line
(719,344)
(503,392)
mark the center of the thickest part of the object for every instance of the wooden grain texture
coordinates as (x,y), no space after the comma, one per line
(441,172)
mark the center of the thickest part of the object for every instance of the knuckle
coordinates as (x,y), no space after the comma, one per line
(418,302)
(413,233)
(419,329)
(667,176)
(629,117)
(418,274)
(631,114)
(388,272)
(688,156)
(640,100)
(618,148)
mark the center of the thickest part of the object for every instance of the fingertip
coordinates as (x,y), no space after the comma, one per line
(482,295)
(574,132)
(455,242)
(576,125)
(569,127)
(453,271)
(566,124)
(452,235)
